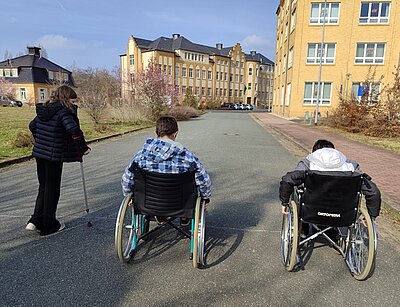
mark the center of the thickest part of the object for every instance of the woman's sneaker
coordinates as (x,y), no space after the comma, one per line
(62,226)
(30,227)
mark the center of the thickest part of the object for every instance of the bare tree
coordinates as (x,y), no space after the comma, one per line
(97,88)
(6,88)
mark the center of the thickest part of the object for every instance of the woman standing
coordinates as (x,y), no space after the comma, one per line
(58,139)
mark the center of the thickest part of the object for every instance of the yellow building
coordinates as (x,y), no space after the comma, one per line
(33,76)
(213,74)
(360,37)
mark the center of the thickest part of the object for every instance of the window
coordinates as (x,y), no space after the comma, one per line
(319,13)
(22,93)
(216,75)
(311,93)
(250,71)
(190,72)
(183,90)
(290,64)
(209,75)
(249,86)
(230,77)
(236,93)
(293,21)
(131,59)
(169,69)
(7,72)
(197,91)
(314,53)
(236,78)
(203,91)
(176,70)
(370,53)
(230,92)
(203,74)
(369,91)
(183,71)
(14,72)
(241,79)
(209,91)
(197,73)
(374,12)
(65,77)
(42,94)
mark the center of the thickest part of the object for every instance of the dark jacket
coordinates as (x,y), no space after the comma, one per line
(331,162)
(57,134)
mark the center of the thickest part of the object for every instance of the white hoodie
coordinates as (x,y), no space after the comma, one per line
(329,159)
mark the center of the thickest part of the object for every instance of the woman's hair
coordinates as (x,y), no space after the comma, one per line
(322,144)
(63,94)
(166,125)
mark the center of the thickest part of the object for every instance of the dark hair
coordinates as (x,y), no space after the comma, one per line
(63,94)
(322,144)
(166,125)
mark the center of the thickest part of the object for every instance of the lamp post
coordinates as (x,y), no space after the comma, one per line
(322,49)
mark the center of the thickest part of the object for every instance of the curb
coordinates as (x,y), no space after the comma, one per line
(29,157)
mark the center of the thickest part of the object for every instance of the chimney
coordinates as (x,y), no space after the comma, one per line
(253,53)
(34,51)
(219,46)
(175,35)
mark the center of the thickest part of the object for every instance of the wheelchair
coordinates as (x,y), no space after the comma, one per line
(330,203)
(165,195)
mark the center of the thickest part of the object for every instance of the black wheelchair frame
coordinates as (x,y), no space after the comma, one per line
(164,195)
(326,203)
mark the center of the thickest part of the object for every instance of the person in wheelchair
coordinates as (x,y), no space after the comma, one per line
(325,158)
(164,155)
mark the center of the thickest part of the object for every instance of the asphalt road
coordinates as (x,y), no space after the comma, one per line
(79,267)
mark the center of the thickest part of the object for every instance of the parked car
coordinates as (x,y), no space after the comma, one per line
(7,102)
(227,106)
(249,106)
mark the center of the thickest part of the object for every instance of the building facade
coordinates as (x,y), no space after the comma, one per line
(34,77)
(213,74)
(360,39)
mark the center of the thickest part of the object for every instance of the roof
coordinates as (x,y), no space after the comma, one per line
(33,69)
(259,58)
(172,44)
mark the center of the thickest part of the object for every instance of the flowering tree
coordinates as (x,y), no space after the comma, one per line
(6,88)
(153,89)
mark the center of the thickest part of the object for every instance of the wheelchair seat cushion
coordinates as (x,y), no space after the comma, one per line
(331,200)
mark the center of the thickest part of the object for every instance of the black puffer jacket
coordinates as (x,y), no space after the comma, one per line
(57,134)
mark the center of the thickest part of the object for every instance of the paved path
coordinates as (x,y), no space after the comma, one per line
(382,165)
(79,267)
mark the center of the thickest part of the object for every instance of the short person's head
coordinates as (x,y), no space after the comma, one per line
(322,144)
(167,126)
(66,95)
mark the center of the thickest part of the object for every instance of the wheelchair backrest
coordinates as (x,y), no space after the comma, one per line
(165,194)
(331,200)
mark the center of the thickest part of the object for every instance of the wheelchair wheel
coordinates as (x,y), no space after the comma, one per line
(127,230)
(198,234)
(361,251)
(290,237)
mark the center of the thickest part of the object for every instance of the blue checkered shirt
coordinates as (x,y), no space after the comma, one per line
(165,157)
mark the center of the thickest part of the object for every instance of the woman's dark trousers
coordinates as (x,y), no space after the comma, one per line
(44,216)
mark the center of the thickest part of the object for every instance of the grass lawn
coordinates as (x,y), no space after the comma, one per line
(392,144)
(14,120)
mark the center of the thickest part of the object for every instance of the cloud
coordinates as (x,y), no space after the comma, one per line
(60,42)
(258,43)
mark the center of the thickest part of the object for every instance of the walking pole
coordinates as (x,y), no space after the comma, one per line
(89,224)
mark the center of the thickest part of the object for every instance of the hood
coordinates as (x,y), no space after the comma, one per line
(163,150)
(329,159)
(46,111)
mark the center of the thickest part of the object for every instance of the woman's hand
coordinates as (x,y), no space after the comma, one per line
(285,210)
(87,151)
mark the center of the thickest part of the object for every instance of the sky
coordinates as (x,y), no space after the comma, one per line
(79,33)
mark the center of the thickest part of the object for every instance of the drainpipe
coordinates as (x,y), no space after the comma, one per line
(287,57)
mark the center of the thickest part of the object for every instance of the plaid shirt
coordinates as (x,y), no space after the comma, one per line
(166,157)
